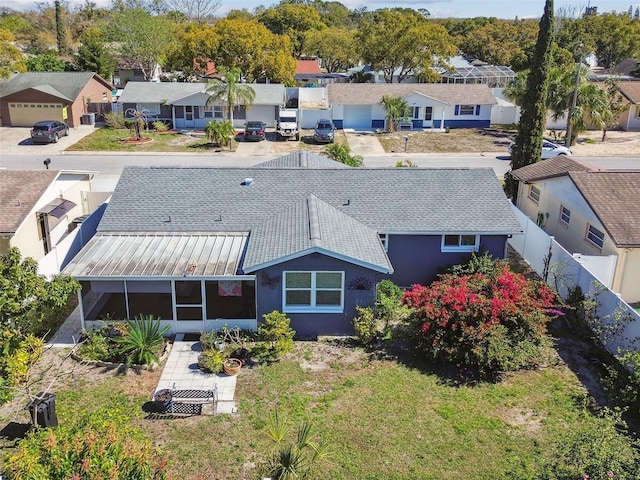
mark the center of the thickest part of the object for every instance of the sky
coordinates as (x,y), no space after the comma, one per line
(508,9)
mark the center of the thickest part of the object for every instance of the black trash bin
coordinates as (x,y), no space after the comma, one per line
(43,410)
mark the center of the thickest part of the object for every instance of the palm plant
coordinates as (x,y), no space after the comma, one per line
(397,108)
(230,91)
(219,131)
(143,340)
(293,460)
(341,153)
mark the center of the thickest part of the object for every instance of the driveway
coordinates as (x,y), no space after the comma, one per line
(365,144)
(17,141)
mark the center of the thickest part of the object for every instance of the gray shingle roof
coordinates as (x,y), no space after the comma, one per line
(301,159)
(68,84)
(371,93)
(151,92)
(312,225)
(19,192)
(615,198)
(400,200)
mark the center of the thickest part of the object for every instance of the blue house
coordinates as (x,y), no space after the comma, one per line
(205,247)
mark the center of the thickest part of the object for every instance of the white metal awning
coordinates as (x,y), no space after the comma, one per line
(159,255)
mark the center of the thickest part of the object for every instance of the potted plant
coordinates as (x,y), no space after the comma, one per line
(211,361)
(232,366)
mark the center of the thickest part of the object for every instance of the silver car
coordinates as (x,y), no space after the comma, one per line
(550,149)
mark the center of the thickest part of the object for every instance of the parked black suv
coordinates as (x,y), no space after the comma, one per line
(48,131)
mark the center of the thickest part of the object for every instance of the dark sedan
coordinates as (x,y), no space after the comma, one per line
(254,131)
(48,131)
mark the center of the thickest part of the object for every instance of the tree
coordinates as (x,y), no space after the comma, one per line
(616,37)
(528,144)
(293,20)
(93,56)
(483,315)
(195,10)
(47,62)
(335,46)
(11,58)
(397,108)
(60,29)
(29,303)
(140,38)
(340,152)
(230,91)
(401,42)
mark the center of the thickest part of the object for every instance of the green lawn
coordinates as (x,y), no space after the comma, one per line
(107,139)
(382,418)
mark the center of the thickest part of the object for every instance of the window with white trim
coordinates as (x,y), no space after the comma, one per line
(460,243)
(384,239)
(595,237)
(310,291)
(416,112)
(565,215)
(149,108)
(467,110)
(534,193)
(428,113)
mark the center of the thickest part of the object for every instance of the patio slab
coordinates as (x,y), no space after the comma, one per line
(181,372)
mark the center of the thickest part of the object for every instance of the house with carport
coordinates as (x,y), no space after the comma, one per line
(588,212)
(201,248)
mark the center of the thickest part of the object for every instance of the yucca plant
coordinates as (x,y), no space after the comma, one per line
(143,340)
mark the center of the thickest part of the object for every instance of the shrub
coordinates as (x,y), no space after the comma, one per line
(365,326)
(96,346)
(114,120)
(212,360)
(101,444)
(19,362)
(341,153)
(598,449)
(160,126)
(389,306)
(496,322)
(276,330)
(143,340)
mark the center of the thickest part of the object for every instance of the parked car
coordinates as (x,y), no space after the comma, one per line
(255,131)
(550,149)
(48,131)
(324,131)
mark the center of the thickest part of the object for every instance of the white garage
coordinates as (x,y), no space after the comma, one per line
(357,117)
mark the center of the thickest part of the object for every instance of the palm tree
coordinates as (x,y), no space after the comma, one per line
(397,108)
(230,91)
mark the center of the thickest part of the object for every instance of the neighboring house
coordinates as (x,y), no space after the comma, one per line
(433,105)
(185,104)
(207,247)
(29,97)
(38,208)
(309,74)
(126,72)
(591,212)
(630,119)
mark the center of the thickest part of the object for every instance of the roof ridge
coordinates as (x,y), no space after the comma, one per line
(314,221)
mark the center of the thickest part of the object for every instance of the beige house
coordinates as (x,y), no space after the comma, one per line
(38,208)
(591,212)
(630,118)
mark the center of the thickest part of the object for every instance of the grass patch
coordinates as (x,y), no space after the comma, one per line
(377,415)
(107,139)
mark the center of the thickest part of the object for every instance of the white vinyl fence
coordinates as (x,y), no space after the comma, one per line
(566,271)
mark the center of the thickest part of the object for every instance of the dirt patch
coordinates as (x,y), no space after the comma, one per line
(523,418)
(455,141)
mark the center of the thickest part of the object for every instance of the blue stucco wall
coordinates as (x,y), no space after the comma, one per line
(418,259)
(310,325)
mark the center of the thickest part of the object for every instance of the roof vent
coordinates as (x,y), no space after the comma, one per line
(247,181)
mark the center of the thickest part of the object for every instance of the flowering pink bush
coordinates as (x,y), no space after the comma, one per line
(496,320)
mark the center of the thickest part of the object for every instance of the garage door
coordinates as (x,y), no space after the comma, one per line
(357,117)
(26,114)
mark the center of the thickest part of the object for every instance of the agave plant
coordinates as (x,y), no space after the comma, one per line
(143,339)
